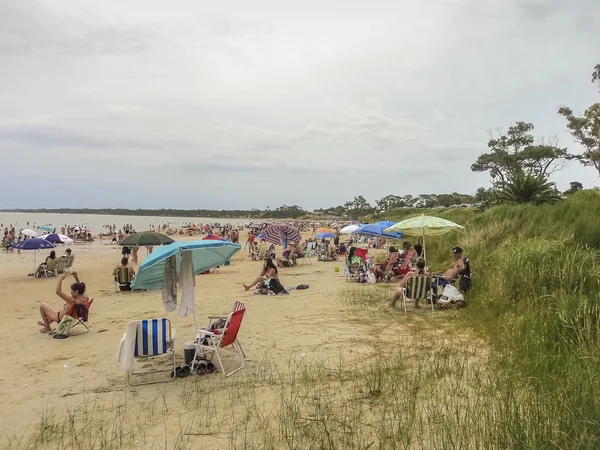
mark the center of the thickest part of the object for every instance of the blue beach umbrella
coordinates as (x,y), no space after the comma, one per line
(375,230)
(34,244)
(325,236)
(205,255)
(47,228)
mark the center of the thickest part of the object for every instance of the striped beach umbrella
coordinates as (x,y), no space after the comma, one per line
(281,234)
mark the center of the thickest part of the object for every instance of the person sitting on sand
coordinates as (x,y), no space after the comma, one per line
(76,297)
(400,292)
(269,270)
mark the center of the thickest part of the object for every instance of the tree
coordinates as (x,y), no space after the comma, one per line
(574,187)
(484,195)
(359,206)
(586,129)
(527,188)
(390,202)
(514,151)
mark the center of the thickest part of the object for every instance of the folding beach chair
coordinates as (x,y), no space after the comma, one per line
(310,247)
(417,288)
(60,264)
(123,279)
(83,318)
(154,337)
(213,341)
(49,269)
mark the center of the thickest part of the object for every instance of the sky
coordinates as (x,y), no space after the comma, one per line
(249,104)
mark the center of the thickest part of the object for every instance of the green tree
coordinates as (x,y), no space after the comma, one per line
(390,202)
(586,129)
(528,188)
(574,186)
(514,151)
(359,206)
(484,195)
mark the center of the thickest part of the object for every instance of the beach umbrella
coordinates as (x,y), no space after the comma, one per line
(29,233)
(325,236)
(325,230)
(349,229)
(214,237)
(34,244)
(57,238)
(146,238)
(46,228)
(205,255)
(374,230)
(424,226)
(281,233)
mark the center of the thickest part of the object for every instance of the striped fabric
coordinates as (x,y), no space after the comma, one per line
(123,275)
(418,287)
(151,338)
(238,306)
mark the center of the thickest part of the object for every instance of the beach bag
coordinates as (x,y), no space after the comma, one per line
(275,286)
(451,295)
(371,278)
(64,327)
(362,275)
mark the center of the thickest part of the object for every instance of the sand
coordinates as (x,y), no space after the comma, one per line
(40,373)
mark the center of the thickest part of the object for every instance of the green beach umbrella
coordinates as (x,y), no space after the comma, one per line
(424,226)
(146,238)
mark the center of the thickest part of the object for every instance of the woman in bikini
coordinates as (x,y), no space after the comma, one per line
(76,297)
(269,270)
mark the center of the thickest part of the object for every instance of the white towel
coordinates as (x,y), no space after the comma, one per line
(169,292)
(126,350)
(187,281)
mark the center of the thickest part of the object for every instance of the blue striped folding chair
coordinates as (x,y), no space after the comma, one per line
(154,337)
(417,288)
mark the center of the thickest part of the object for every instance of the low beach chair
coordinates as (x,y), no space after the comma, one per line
(417,288)
(213,341)
(123,279)
(84,316)
(310,247)
(153,338)
(61,264)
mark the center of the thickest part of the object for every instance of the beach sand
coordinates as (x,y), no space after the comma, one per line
(41,375)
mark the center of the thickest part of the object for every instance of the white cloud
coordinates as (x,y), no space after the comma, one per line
(270,102)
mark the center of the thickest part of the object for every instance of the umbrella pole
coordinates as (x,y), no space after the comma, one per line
(34,259)
(424,254)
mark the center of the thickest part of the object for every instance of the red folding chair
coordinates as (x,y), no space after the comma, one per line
(361,253)
(213,341)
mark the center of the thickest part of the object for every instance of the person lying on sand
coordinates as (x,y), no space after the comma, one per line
(76,297)
(269,270)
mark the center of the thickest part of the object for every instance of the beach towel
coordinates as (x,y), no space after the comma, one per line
(126,350)
(169,292)
(187,281)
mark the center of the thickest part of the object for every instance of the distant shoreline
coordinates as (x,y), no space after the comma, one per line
(204,213)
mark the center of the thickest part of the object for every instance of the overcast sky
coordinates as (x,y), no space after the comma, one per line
(242,104)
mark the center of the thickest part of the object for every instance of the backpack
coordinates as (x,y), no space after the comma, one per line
(465,279)
(362,275)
